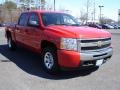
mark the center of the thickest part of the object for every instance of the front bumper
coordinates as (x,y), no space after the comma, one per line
(71,59)
(96,55)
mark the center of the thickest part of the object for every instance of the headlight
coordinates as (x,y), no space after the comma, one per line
(68,44)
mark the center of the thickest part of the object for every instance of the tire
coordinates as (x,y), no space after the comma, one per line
(49,60)
(11,44)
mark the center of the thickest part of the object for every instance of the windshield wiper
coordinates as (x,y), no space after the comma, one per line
(75,25)
(62,24)
(58,24)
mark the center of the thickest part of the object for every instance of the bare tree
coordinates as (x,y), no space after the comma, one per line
(1,20)
(88,9)
(26,3)
(83,17)
(49,7)
(10,5)
(42,4)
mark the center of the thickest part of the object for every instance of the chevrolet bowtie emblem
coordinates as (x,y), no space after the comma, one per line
(99,43)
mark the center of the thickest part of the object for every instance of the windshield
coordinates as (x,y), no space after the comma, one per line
(58,19)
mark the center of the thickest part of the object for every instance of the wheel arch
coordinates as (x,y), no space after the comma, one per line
(51,47)
(46,43)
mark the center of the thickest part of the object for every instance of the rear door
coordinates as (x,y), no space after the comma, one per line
(21,27)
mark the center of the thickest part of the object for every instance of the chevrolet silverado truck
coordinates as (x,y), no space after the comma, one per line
(60,40)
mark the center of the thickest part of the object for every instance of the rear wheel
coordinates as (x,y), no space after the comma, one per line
(11,44)
(49,60)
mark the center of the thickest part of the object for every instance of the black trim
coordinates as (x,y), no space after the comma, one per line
(95,47)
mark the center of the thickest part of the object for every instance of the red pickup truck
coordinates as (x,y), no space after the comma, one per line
(60,40)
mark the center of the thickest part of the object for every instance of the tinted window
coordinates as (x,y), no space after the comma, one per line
(23,19)
(34,17)
(68,20)
(58,19)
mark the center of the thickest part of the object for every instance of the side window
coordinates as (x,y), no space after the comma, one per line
(33,19)
(23,19)
(68,20)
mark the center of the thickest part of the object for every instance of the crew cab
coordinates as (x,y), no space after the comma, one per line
(60,40)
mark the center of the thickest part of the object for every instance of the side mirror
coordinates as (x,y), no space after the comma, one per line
(33,23)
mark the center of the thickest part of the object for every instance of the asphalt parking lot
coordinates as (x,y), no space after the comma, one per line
(21,70)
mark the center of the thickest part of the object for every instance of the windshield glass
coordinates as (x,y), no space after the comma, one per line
(58,19)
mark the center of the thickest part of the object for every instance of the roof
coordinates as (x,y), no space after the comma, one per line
(44,11)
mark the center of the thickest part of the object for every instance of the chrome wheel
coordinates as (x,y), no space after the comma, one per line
(48,60)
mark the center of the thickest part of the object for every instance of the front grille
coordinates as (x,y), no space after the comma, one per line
(94,44)
(95,47)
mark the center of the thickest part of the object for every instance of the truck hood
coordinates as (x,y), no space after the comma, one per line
(80,32)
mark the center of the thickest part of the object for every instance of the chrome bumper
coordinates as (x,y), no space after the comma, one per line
(96,55)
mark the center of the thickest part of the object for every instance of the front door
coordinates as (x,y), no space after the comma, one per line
(33,32)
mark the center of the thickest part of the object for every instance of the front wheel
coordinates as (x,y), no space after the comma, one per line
(49,60)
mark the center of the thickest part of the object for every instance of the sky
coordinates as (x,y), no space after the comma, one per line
(75,7)
(109,10)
